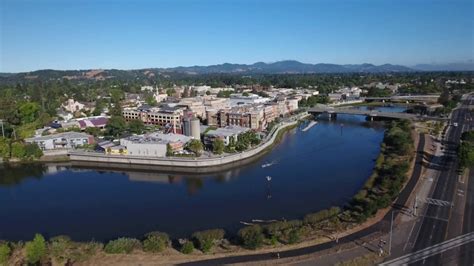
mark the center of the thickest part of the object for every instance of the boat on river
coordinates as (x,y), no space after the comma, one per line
(265,165)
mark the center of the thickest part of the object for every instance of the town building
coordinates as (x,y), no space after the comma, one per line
(226,134)
(237,99)
(72,106)
(154,144)
(65,140)
(164,116)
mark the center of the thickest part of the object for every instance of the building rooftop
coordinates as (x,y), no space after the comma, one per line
(159,138)
(227,131)
(66,135)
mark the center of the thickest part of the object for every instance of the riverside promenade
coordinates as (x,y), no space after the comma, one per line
(100,159)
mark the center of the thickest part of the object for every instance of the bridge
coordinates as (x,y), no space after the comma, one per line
(371,113)
(404,98)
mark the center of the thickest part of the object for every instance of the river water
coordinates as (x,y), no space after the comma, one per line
(322,167)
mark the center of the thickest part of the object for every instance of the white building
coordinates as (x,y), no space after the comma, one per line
(65,140)
(226,134)
(154,144)
(72,106)
(239,99)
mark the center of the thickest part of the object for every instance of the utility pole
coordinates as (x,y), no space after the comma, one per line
(415,206)
(3,130)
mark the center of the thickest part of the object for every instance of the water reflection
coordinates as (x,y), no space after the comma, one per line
(12,175)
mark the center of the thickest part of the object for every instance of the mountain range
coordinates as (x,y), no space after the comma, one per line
(280,67)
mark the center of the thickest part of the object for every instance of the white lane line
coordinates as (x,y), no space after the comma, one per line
(432,250)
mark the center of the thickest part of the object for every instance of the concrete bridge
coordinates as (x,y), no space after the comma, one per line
(371,113)
(404,98)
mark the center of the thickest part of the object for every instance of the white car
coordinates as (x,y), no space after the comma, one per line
(455,124)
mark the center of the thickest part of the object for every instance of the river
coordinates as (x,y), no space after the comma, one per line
(322,167)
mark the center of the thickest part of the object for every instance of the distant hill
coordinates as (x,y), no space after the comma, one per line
(280,67)
(461,66)
(288,66)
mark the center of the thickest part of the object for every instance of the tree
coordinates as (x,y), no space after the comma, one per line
(36,249)
(116,110)
(116,95)
(208,92)
(245,94)
(251,236)
(136,126)
(122,245)
(150,100)
(94,131)
(156,242)
(195,146)
(4,147)
(32,151)
(187,247)
(170,91)
(18,150)
(5,252)
(29,112)
(205,239)
(115,126)
(218,146)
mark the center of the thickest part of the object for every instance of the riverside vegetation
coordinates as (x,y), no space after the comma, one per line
(390,173)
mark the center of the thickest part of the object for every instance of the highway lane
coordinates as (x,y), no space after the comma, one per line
(466,256)
(435,224)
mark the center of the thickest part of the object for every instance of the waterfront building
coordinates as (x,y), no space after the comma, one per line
(116,150)
(164,116)
(65,140)
(225,134)
(154,144)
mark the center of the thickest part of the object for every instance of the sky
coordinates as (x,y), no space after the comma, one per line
(90,34)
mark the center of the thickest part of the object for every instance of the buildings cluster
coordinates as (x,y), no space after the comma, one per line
(240,109)
(181,114)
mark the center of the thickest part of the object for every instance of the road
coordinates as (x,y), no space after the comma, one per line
(436,220)
(466,256)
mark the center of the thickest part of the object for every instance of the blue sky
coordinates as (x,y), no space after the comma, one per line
(84,34)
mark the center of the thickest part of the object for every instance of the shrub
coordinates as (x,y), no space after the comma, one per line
(294,236)
(205,239)
(60,248)
(36,249)
(84,251)
(187,247)
(315,218)
(122,245)
(5,252)
(156,242)
(251,236)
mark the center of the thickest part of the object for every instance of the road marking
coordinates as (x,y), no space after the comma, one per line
(432,250)
(437,202)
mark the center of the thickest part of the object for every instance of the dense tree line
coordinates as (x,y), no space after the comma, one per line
(389,174)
